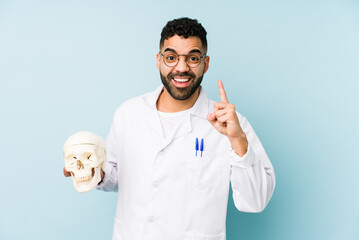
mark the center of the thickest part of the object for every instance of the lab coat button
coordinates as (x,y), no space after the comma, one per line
(150,219)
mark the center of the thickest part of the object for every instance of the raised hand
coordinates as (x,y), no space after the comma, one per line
(225,120)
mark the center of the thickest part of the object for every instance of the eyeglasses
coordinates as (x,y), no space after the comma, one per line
(171,59)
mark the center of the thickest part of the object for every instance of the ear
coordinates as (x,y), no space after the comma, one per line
(158,57)
(206,64)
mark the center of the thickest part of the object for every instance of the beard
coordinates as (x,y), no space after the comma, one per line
(181,93)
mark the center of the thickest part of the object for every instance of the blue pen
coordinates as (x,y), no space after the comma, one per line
(202,145)
(197,148)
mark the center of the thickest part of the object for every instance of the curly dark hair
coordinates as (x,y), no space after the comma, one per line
(184,27)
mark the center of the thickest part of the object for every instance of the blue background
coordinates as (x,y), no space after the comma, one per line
(290,67)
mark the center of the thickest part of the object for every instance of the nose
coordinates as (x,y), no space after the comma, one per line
(182,65)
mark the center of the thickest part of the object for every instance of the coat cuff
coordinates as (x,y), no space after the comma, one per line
(243,162)
(106,178)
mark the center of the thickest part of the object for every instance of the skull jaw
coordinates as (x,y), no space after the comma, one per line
(85,186)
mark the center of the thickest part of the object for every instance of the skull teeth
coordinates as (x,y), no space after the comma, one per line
(83,179)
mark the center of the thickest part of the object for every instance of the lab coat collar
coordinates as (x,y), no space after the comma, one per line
(200,108)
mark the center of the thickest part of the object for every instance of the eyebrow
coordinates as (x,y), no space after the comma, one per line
(174,51)
(169,50)
(195,51)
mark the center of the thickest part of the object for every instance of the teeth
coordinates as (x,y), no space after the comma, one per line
(181,79)
(83,179)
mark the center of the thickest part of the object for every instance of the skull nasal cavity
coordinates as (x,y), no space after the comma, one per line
(79,165)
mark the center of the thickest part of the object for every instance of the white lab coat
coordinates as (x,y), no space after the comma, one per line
(164,190)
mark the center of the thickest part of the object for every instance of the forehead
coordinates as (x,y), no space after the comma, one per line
(183,45)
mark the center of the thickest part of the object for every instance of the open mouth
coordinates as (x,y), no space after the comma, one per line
(181,82)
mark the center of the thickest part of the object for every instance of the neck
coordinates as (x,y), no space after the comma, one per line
(166,103)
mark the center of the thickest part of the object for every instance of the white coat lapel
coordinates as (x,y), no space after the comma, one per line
(153,120)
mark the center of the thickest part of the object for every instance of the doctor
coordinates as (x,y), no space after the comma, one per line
(172,153)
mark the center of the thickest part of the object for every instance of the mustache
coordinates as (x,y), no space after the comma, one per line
(181,74)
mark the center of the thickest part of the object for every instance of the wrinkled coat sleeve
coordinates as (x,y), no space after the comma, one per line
(252,175)
(113,149)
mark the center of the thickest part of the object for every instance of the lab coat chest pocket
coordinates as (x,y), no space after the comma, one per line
(205,172)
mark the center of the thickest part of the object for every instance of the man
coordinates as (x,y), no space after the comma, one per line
(172,153)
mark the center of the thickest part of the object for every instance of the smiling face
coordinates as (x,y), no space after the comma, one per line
(181,81)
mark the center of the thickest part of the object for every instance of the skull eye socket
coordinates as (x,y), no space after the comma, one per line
(88,156)
(71,159)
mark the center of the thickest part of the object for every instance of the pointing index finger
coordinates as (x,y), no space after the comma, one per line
(222,93)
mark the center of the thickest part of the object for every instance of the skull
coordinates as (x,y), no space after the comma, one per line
(85,156)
